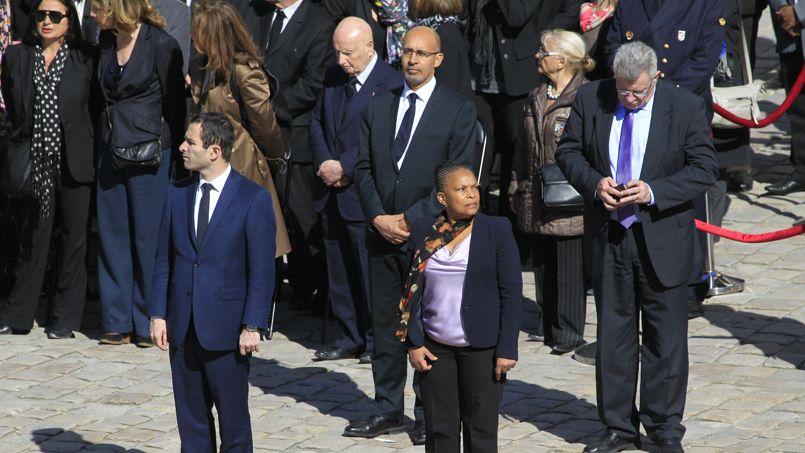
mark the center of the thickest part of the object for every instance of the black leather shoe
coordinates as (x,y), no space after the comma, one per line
(586,353)
(612,442)
(60,334)
(670,446)
(695,308)
(559,349)
(334,354)
(8,330)
(785,187)
(418,436)
(144,342)
(739,181)
(536,337)
(374,426)
(365,358)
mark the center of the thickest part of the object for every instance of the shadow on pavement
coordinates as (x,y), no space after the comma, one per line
(774,337)
(59,440)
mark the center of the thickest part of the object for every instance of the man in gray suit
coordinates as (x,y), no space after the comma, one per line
(177,14)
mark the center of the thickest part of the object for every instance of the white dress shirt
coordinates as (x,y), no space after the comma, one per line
(215,193)
(289,12)
(79,7)
(640,130)
(423,96)
(367,71)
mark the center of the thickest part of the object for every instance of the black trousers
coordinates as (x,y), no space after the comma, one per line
(627,291)
(507,112)
(791,63)
(203,379)
(72,202)
(348,278)
(460,393)
(388,267)
(559,276)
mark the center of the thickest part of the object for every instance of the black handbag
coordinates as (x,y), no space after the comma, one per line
(15,174)
(148,154)
(557,193)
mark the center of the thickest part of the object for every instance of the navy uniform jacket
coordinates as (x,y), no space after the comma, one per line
(332,138)
(226,281)
(686,34)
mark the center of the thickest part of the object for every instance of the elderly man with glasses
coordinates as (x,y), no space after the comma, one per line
(639,151)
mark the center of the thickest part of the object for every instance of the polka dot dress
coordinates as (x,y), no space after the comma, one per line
(46,142)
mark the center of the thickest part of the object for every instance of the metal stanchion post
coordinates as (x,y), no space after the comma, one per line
(718,284)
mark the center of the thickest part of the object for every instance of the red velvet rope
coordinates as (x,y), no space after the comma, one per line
(750,238)
(774,116)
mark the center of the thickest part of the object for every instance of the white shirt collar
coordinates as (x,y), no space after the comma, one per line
(423,93)
(367,70)
(290,10)
(219,181)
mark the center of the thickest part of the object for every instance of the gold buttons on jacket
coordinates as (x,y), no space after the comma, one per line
(662,75)
(666,46)
(665,60)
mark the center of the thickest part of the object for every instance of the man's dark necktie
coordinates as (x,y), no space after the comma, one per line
(276,30)
(203,212)
(404,134)
(349,92)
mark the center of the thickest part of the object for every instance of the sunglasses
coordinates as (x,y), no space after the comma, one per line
(54,16)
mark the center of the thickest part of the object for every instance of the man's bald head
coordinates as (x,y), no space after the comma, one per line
(421,55)
(354,48)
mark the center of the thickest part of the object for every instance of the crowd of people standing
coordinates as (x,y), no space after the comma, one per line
(374,126)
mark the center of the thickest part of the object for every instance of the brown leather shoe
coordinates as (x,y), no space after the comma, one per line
(115,338)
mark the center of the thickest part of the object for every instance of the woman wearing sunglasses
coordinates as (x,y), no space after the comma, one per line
(47,85)
(140,128)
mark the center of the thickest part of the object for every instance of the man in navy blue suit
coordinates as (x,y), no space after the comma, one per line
(212,287)
(335,134)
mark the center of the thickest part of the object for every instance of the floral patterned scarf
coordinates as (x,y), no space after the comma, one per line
(393,14)
(441,234)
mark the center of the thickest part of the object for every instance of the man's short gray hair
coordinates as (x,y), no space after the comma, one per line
(633,59)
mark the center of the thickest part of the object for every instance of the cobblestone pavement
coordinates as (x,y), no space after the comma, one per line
(746,390)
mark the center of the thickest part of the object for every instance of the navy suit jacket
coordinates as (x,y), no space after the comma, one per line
(679,165)
(493,287)
(331,138)
(228,280)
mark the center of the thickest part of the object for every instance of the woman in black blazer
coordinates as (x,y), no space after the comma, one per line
(444,17)
(47,85)
(460,315)
(140,74)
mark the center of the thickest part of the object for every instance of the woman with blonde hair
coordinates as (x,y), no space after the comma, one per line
(236,85)
(557,245)
(140,130)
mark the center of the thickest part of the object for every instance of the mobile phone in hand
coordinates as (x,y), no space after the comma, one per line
(619,188)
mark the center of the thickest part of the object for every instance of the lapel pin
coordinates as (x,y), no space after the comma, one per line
(680,35)
(629,35)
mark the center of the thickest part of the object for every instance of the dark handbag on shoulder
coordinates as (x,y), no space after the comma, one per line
(557,193)
(148,155)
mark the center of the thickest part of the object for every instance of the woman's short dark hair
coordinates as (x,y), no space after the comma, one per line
(215,130)
(444,170)
(72,37)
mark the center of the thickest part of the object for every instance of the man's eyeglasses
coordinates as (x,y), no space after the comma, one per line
(419,53)
(54,16)
(637,94)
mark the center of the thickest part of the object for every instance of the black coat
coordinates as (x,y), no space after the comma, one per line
(77,91)
(492,296)
(445,133)
(455,68)
(339,9)
(678,166)
(151,88)
(517,25)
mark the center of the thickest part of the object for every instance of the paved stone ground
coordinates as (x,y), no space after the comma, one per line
(746,391)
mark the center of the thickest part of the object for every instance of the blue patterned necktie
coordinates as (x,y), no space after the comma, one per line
(627,214)
(406,127)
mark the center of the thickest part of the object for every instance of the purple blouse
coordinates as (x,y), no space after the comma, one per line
(443,290)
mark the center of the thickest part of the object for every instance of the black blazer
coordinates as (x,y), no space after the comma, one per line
(299,62)
(333,138)
(517,27)
(493,287)
(679,165)
(455,68)
(151,88)
(445,133)
(339,9)
(77,110)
